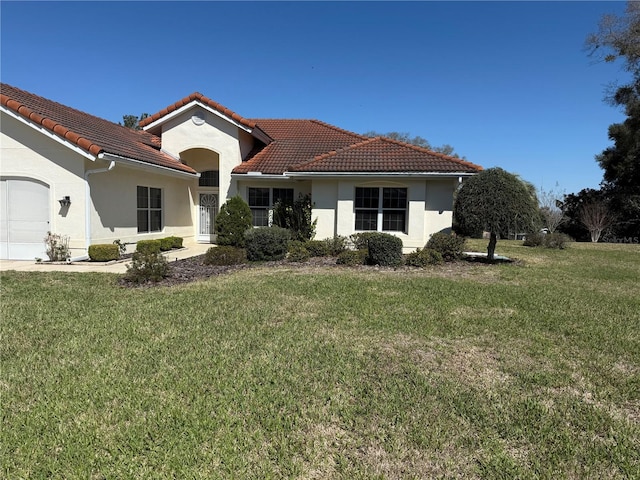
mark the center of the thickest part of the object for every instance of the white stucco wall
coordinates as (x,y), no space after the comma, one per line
(28,154)
(180,134)
(114,204)
(429,210)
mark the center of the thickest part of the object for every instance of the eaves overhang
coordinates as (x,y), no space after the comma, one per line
(146,166)
(48,133)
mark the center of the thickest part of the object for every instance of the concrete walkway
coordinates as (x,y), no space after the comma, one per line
(190,250)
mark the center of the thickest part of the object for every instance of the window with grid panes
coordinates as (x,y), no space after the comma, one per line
(381,209)
(149,206)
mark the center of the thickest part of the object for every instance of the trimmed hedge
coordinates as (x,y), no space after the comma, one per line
(266,243)
(423,257)
(449,246)
(384,250)
(148,246)
(176,242)
(166,244)
(104,252)
(225,255)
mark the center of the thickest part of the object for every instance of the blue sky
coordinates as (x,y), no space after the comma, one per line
(506,84)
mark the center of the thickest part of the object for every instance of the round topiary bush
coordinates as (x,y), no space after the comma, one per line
(448,245)
(266,243)
(384,250)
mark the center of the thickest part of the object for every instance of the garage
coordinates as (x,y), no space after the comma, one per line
(24,218)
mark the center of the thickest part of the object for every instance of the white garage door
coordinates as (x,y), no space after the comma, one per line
(24,219)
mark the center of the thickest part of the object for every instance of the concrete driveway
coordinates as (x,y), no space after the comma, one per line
(190,250)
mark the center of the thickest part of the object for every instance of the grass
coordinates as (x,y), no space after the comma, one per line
(529,370)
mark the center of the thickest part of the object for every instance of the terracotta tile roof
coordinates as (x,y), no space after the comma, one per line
(93,134)
(294,142)
(313,146)
(202,99)
(382,155)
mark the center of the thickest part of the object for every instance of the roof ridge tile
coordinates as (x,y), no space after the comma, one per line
(197,96)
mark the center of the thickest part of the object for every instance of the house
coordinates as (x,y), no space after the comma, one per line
(71,173)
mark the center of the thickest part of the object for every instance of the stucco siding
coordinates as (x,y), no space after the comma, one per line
(181,134)
(439,206)
(114,205)
(27,154)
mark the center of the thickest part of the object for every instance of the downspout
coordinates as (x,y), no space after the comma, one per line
(87,204)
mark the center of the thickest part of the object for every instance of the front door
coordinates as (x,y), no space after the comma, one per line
(208,207)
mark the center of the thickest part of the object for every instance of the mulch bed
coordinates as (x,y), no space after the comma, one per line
(193,269)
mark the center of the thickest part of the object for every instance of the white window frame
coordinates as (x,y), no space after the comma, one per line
(267,208)
(149,209)
(381,210)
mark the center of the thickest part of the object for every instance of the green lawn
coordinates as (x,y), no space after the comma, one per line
(529,370)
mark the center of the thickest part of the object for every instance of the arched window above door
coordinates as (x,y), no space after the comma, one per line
(209,178)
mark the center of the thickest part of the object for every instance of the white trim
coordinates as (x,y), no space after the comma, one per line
(45,131)
(261,176)
(378,175)
(188,106)
(146,166)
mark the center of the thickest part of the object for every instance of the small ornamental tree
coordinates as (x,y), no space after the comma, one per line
(232,221)
(493,201)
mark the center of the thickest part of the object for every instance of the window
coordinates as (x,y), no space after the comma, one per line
(262,200)
(209,178)
(381,209)
(149,202)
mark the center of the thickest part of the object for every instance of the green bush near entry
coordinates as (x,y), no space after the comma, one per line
(104,252)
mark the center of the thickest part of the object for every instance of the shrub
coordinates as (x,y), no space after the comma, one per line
(225,255)
(166,244)
(57,247)
(449,246)
(122,247)
(336,245)
(233,220)
(296,217)
(423,257)
(317,248)
(148,246)
(360,241)
(104,252)
(298,252)
(147,266)
(384,250)
(533,239)
(176,242)
(266,243)
(352,258)
(556,240)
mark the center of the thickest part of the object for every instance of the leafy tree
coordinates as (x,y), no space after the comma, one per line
(132,122)
(418,141)
(495,200)
(571,208)
(618,38)
(232,221)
